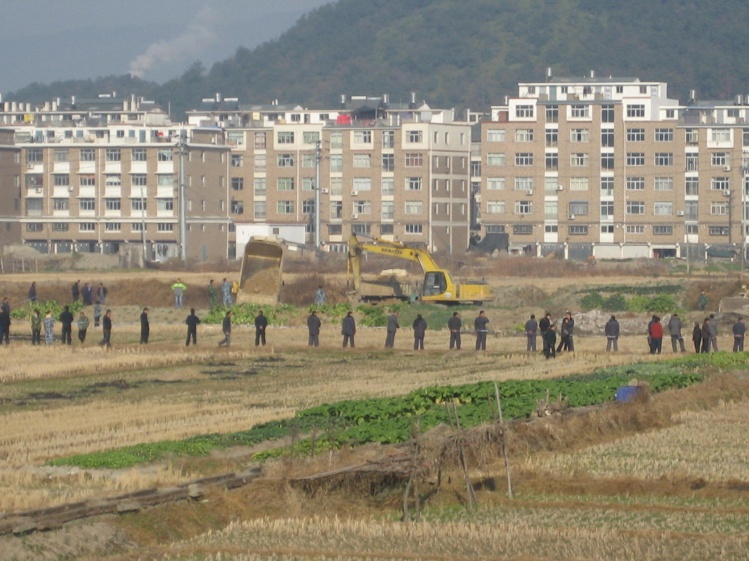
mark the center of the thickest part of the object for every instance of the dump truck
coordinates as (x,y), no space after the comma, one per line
(260,278)
(437,285)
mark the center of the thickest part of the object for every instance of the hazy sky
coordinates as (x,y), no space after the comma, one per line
(48,40)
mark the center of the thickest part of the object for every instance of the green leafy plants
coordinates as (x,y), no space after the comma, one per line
(591,301)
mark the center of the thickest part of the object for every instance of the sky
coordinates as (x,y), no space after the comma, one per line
(49,40)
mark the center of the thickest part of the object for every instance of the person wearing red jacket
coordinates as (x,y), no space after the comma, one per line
(656,335)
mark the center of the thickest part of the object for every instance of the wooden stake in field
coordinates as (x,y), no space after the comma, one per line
(503,441)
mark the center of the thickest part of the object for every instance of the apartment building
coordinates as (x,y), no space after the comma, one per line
(613,168)
(392,170)
(101,176)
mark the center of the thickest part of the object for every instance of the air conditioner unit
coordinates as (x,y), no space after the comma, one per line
(726,193)
(38,189)
(560,188)
(572,216)
(529,192)
(29,166)
(354,216)
(354,193)
(679,213)
(726,168)
(324,191)
(70,189)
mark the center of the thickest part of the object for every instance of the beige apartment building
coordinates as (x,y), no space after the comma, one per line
(102,176)
(396,171)
(613,168)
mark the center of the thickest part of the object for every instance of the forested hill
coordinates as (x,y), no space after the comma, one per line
(464,52)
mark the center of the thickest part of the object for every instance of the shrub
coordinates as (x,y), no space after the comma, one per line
(592,301)
(615,303)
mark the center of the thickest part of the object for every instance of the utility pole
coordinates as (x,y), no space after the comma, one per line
(745,177)
(318,158)
(182,147)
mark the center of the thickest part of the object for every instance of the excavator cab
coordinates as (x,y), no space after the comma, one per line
(435,283)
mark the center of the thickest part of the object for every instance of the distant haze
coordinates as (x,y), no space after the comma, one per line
(45,41)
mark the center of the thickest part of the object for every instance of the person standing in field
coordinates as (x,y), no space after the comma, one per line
(531,334)
(739,330)
(49,328)
(75,291)
(226,291)
(479,325)
(212,295)
(348,330)
(420,329)
(702,301)
(674,329)
(178,288)
(697,336)
(705,332)
(87,294)
(569,331)
(550,341)
(454,324)
(4,327)
(544,324)
(192,322)
(261,323)
(82,327)
(36,328)
(713,333)
(5,306)
(66,319)
(562,346)
(32,292)
(97,313)
(656,336)
(106,324)
(226,328)
(145,327)
(611,330)
(313,327)
(319,296)
(101,294)
(392,327)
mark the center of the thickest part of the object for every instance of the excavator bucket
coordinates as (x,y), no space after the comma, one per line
(260,277)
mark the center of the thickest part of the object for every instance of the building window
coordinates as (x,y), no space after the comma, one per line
(336,140)
(61,179)
(719,159)
(720,135)
(113,180)
(496,159)
(34,155)
(61,155)
(137,180)
(607,138)
(607,186)
(496,135)
(636,110)
(113,154)
(551,228)
(112,227)
(663,230)
(285,207)
(87,204)
(87,227)
(719,208)
(362,137)
(578,208)
(283,137)
(524,135)
(607,113)
(524,111)
(413,136)
(361,229)
(635,207)
(524,159)
(607,228)
(165,227)
(236,160)
(522,229)
(414,228)
(523,184)
(260,210)
(310,137)
(388,162)
(664,159)
(414,207)
(361,184)
(388,139)
(579,184)
(663,209)
(579,111)
(579,135)
(495,207)
(362,160)
(663,184)
(61,204)
(167,180)
(720,184)
(692,162)
(237,183)
(552,161)
(361,207)
(635,135)
(635,184)
(413,183)
(635,158)
(577,230)
(718,230)
(552,137)
(414,160)
(112,204)
(259,186)
(309,160)
(607,161)
(387,186)
(692,136)
(579,159)
(635,229)
(164,155)
(524,207)
(664,135)
(336,162)
(308,183)
(552,113)
(285,160)
(285,184)
(139,205)
(607,208)
(692,186)
(89,155)
(387,210)
(165,205)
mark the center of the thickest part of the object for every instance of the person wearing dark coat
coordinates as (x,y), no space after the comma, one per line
(226,328)
(75,291)
(192,322)
(106,325)
(66,319)
(348,330)
(611,330)
(550,341)
(705,332)
(568,328)
(87,294)
(544,324)
(479,325)
(697,336)
(739,330)
(674,329)
(531,333)
(261,323)
(454,324)
(420,329)
(713,333)
(313,326)
(145,327)
(392,327)
(5,327)
(32,292)
(5,306)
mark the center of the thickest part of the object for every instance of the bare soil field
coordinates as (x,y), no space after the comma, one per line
(669,482)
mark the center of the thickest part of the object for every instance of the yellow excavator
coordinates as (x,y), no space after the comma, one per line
(437,286)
